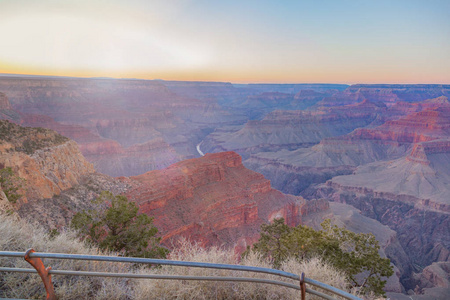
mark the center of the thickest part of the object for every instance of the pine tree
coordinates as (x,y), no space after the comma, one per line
(119,228)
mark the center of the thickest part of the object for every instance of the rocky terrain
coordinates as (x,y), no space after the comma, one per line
(291,129)
(49,162)
(380,153)
(214,200)
(118,120)
(388,94)
(58,180)
(344,215)
(409,194)
(6,111)
(293,171)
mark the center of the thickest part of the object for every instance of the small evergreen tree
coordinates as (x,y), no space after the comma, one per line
(273,242)
(360,256)
(353,253)
(11,184)
(119,228)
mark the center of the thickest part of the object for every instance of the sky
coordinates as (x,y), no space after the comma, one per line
(326,41)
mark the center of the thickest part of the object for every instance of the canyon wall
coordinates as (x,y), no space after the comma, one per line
(214,200)
(291,129)
(47,161)
(119,120)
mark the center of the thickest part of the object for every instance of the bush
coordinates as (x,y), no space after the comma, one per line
(119,228)
(10,183)
(355,254)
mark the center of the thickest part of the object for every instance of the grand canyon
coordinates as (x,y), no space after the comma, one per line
(212,161)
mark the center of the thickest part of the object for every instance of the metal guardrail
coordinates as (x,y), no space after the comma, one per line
(34,258)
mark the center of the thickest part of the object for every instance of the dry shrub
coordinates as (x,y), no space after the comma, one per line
(176,289)
(186,251)
(18,235)
(315,268)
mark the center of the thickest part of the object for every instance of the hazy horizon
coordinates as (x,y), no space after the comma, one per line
(341,42)
(209,81)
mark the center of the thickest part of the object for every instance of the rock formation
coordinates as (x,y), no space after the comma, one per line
(410,195)
(6,111)
(47,161)
(384,149)
(388,94)
(292,129)
(213,199)
(97,113)
(293,171)
(347,216)
(4,102)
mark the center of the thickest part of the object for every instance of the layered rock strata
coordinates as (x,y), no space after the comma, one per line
(97,113)
(292,129)
(49,162)
(213,199)
(293,171)
(408,195)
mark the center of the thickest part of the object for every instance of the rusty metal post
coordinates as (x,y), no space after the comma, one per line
(43,272)
(303,286)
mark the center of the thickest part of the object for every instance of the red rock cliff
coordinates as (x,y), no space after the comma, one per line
(213,199)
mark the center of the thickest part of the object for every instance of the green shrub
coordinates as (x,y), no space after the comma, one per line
(353,253)
(119,228)
(11,184)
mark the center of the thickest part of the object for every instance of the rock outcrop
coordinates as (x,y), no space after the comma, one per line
(6,110)
(49,162)
(57,212)
(213,199)
(4,102)
(435,275)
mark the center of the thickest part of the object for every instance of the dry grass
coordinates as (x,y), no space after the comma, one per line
(17,235)
(165,289)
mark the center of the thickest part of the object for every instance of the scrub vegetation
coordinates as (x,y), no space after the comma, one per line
(18,235)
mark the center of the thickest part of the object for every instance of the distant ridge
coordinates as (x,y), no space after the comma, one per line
(398,86)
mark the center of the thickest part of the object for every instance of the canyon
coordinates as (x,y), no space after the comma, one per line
(374,158)
(213,200)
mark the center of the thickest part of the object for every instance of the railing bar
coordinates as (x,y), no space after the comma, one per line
(173,277)
(331,289)
(179,263)
(317,293)
(18,270)
(157,262)
(12,254)
(154,276)
(169,277)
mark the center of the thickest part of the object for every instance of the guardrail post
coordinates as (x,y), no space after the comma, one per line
(303,286)
(37,263)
